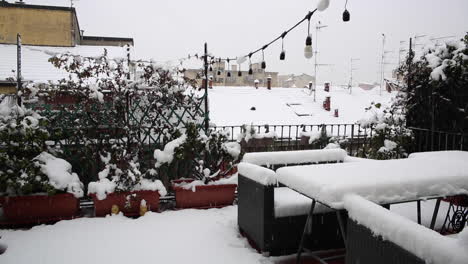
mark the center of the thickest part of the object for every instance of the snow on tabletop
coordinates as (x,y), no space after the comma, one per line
(60,174)
(295,157)
(425,243)
(385,181)
(212,235)
(450,154)
(256,173)
(291,203)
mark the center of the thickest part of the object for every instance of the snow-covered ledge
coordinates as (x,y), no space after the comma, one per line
(295,157)
(424,243)
(256,173)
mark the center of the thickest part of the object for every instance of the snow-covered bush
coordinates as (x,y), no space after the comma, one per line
(115,116)
(25,165)
(249,132)
(196,155)
(391,137)
(436,95)
(317,139)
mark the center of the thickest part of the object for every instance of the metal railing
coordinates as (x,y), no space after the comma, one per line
(427,140)
(354,137)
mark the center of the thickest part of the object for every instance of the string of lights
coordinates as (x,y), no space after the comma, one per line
(308,51)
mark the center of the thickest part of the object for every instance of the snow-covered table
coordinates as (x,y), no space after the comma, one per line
(420,177)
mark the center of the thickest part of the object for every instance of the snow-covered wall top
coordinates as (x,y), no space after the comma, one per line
(424,243)
(256,173)
(386,181)
(441,155)
(295,157)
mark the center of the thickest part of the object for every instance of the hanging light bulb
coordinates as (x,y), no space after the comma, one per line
(239,73)
(283,53)
(308,52)
(219,72)
(211,68)
(263,57)
(322,5)
(228,74)
(250,64)
(346,15)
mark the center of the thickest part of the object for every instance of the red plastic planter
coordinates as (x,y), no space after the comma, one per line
(39,208)
(205,196)
(104,207)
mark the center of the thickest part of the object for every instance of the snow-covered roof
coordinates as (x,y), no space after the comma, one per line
(383,182)
(34,60)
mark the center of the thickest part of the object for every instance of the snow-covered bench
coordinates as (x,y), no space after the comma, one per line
(377,235)
(272,215)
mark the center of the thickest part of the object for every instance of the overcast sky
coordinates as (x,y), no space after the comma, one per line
(170,29)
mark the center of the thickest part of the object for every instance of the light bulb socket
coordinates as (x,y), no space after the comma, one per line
(346,16)
(263,65)
(219,72)
(211,69)
(250,71)
(309,40)
(283,55)
(239,74)
(229,74)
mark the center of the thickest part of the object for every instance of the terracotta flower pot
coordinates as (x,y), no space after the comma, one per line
(128,208)
(204,196)
(40,208)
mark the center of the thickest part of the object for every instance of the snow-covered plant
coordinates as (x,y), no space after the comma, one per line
(249,132)
(438,80)
(25,165)
(114,114)
(317,139)
(196,155)
(391,137)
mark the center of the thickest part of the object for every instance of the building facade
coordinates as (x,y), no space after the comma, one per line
(40,25)
(295,81)
(219,75)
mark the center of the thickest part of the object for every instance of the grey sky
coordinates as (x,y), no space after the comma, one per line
(169,29)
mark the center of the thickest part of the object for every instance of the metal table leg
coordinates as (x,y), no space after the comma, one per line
(436,211)
(301,244)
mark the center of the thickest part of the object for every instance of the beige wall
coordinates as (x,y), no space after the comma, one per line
(36,26)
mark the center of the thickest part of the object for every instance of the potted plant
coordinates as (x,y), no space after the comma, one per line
(122,187)
(249,138)
(315,139)
(36,185)
(210,162)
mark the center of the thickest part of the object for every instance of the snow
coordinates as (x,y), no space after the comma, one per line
(441,155)
(256,173)
(60,174)
(230,106)
(295,157)
(35,64)
(426,244)
(193,184)
(105,186)
(233,148)
(209,236)
(383,182)
(291,203)
(167,155)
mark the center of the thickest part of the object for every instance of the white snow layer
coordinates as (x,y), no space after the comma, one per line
(104,186)
(379,181)
(230,106)
(291,203)
(256,173)
(60,174)
(419,240)
(212,236)
(167,155)
(295,157)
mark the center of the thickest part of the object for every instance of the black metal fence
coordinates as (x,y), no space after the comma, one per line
(353,137)
(427,140)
